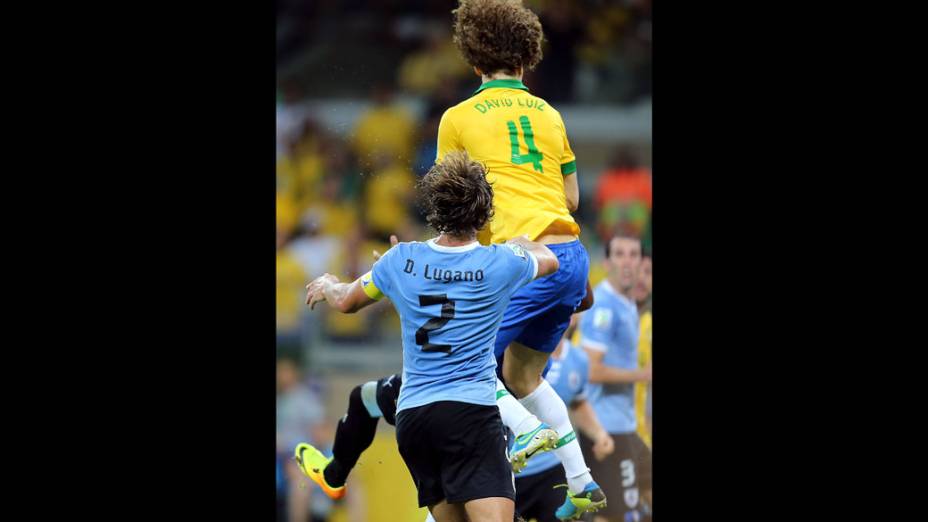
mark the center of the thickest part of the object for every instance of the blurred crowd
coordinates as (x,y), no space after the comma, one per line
(595,50)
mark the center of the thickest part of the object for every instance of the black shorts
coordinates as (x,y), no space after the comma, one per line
(455,451)
(624,473)
(536,497)
(388,392)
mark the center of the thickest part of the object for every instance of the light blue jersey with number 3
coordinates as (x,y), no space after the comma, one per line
(450,301)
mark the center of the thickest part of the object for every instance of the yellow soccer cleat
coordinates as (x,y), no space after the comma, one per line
(312,462)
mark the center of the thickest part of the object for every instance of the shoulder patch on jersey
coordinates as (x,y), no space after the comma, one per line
(516,249)
(602,317)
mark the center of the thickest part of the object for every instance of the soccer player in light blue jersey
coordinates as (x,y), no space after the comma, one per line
(609,333)
(450,293)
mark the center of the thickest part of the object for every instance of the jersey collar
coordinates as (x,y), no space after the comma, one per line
(612,290)
(503,84)
(455,249)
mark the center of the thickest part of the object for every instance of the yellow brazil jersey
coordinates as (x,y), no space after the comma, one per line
(641,388)
(523,143)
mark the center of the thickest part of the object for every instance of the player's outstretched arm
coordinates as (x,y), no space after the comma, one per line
(347,298)
(572,191)
(603,373)
(547,261)
(586,420)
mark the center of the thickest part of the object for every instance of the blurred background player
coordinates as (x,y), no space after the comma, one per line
(449,430)
(299,417)
(536,495)
(643,389)
(609,333)
(523,142)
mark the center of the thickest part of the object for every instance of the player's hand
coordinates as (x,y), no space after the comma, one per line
(315,291)
(393,242)
(646,373)
(603,447)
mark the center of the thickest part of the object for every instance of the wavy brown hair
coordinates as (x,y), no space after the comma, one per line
(455,196)
(497,35)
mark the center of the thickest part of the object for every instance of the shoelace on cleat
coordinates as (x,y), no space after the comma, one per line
(589,494)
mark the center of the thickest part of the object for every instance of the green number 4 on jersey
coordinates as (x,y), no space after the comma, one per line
(534,157)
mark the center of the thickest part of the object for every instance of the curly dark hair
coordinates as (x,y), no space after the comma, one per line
(497,35)
(455,196)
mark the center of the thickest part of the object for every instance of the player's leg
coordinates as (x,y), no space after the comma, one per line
(643,473)
(551,498)
(619,476)
(419,441)
(532,436)
(537,497)
(525,306)
(550,408)
(527,364)
(548,304)
(513,413)
(491,509)
(445,512)
(474,469)
(354,434)
(356,429)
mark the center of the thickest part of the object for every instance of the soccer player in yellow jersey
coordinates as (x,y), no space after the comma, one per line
(523,143)
(642,294)
(643,389)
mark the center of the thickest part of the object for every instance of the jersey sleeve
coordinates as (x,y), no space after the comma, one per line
(523,265)
(568,159)
(596,327)
(448,138)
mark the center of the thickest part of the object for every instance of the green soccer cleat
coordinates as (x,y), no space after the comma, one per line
(590,500)
(527,445)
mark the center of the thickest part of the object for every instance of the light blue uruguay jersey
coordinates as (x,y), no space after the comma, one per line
(450,301)
(611,327)
(569,375)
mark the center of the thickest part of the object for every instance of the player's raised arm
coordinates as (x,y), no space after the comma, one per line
(586,420)
(347,298)
(547,261)
(601,372)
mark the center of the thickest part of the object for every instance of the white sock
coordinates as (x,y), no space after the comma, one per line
(514,415)
(548,406)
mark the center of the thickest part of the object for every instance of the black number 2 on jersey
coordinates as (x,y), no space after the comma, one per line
(447,313)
